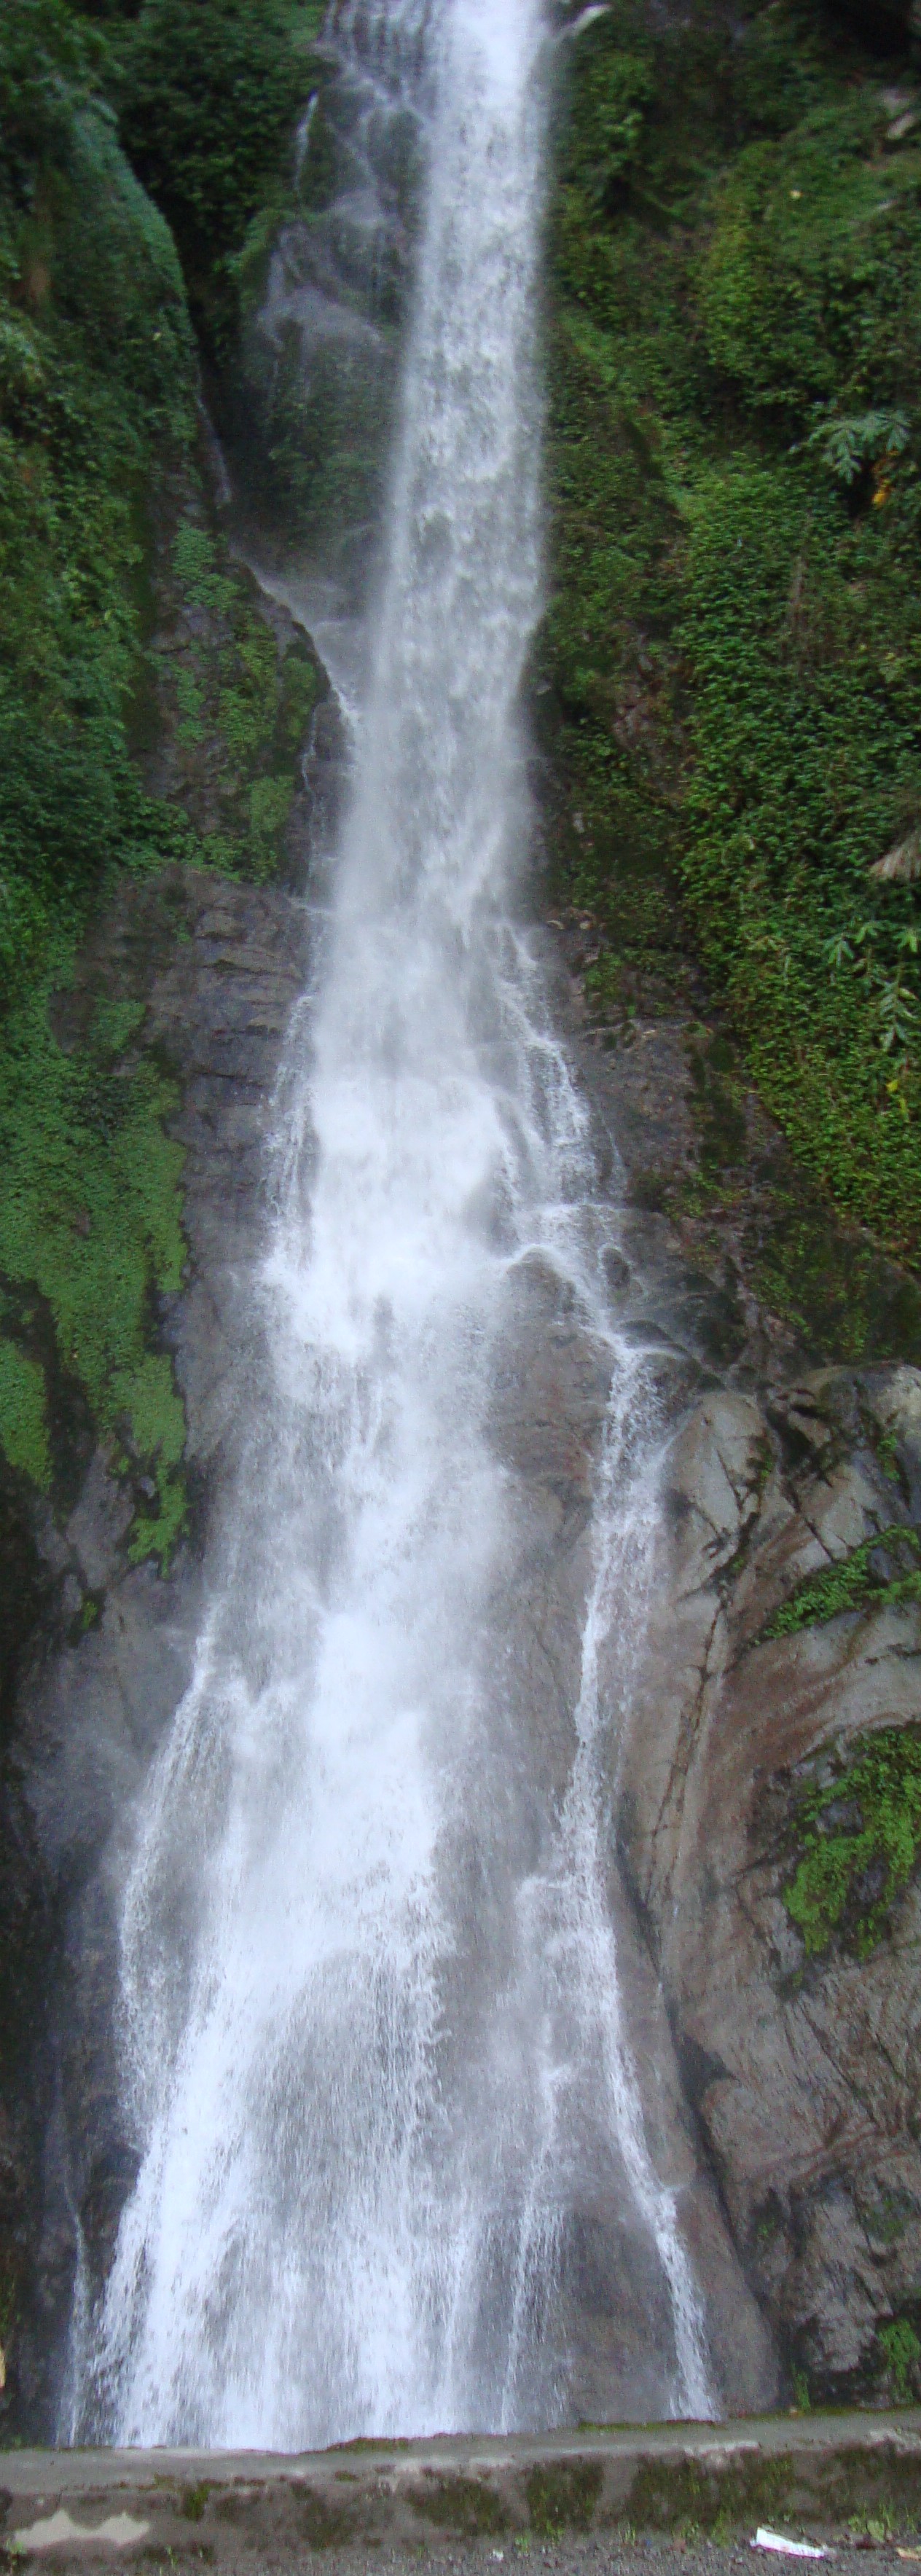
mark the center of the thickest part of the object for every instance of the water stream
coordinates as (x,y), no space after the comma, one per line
(375,2034)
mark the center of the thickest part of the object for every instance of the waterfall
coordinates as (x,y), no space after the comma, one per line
(373,2021)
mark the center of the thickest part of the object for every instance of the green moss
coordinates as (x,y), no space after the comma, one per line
(751,1205)
(366,2442)
(326,439)
(689,2498)
(191,702)
(87,1617)
(859,1835)
(242,698)
(194,2500)
(893,2214)
(563,2495)
(90,1219)
(322,2525)
(901,2355)
(23,1427)
(719,1107)
(270,801)
(200,571)
(829,1281)
(458,2504)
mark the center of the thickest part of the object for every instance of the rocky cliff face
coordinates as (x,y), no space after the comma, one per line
(764,1803)
(768,1820)
(765,1810)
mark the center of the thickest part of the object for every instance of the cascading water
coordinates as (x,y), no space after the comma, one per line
(373,2017)
(322,350)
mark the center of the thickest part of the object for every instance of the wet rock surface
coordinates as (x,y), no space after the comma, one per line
(758,1692)
(609,2318)
(798,2042)
(218,967)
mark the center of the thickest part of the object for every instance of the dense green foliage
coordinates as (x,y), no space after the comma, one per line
(102,533)
(96,382)
(860,1835)
(734,634)
(97,392)
(210,97)
(98,389)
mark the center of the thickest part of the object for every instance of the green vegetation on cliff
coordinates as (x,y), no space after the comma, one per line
(97,381)
(97,397)
(131,649)
(89,1224)
(734,631)
(210,97)
(98,432)
(859,1835)
(235,703)
(854,1582)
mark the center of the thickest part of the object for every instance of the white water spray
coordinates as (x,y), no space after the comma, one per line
(373,2020)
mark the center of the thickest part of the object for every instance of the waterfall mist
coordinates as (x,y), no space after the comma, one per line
(375,2036)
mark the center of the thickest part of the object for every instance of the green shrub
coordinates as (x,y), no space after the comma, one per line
(50,60)
(210,100)
(860,1835)
(804,251)
(853,1582)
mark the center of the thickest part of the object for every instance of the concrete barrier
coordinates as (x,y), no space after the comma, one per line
(816,2473)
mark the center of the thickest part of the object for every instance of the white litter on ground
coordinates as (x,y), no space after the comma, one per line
(765,2539)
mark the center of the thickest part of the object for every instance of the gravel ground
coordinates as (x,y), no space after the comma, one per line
(595,2555)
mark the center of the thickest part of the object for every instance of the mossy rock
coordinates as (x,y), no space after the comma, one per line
(563,2495)
(90,1232)
(689,2498)
(321,2524)
(458,2503)
(237,690)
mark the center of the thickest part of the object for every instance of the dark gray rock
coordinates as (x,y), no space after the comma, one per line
(802,2069)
